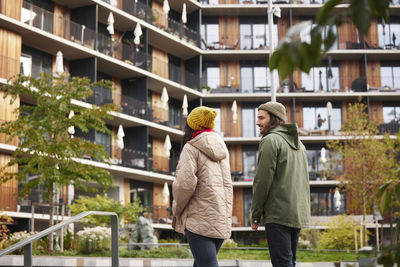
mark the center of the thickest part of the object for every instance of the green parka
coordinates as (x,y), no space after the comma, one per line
(281,190)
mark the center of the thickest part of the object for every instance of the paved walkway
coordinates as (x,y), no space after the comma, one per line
(53,261)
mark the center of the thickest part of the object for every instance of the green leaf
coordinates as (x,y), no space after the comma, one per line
(330,39)
(361,14)
(325,10)
(382,189)
(397,190)
(385,202)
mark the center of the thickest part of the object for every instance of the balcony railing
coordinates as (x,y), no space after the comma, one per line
(140,109)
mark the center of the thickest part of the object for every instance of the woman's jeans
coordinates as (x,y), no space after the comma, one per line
(204,249)
(282,244)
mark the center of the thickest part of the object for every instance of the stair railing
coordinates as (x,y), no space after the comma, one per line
(27,243)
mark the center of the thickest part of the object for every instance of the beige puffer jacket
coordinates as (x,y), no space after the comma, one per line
(202,190)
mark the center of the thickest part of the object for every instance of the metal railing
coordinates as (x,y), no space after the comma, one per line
(27,243)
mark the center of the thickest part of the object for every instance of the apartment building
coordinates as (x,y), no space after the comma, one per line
(166,56)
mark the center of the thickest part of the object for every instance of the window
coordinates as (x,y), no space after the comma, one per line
(391,114)
(211,74)
(305,33)
(26,64)
(40,61)
(175,113)
(323,202)
(247,199)
(389,76)
(144,192)
(256,77)
(253,36)
(321,79)
(249,155)
(104,139)
(249,118)
(209,31)
(389,32)
(316,117)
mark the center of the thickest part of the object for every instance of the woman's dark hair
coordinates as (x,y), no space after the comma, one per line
(274,122)
(187,134)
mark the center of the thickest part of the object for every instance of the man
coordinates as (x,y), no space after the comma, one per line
(281,191)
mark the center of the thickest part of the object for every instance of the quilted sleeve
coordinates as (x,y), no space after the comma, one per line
(185,180)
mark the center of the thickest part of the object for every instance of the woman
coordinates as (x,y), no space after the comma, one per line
(202,190)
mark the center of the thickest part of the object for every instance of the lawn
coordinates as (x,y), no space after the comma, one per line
(224,254)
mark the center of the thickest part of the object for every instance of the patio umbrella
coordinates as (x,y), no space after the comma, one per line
(164,97)
(323,155)
(167,145)
(110,21)
(184,15)
(234,111)
(71,129)
(338,199)
(165,7)
(138,32)
(185,106)
(165,193)
(120,137)
(59,63)
(329,111)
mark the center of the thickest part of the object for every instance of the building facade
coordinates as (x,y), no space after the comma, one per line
(210,52)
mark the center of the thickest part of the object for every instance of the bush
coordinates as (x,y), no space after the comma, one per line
(229,243)
(309,238)
(19,236)
(95,239)
(340,234)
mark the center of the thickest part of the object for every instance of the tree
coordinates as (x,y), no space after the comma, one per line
(292,53)
(129,212)
(367,161)
(45,148)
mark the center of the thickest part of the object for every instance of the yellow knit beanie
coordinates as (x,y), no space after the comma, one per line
(202,118)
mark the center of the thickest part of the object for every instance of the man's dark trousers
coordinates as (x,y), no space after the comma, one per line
(282,243)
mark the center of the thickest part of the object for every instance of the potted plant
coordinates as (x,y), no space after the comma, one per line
(205,88)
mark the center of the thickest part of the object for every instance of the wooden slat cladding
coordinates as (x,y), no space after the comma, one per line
(283,26)
(8,190)
(12,8)
(299,115)
(374,74)
(229,74)
(127,191)
(62,18)
(160,63)
(227,126)
(236,158)
(346,33)
(160,160)
(349,71)
(237,209)
(160,18)
(345,111)
(372,36)
(376,112)
(229,30)
(117,92)
(289,112)
(7,114)
(160,113)
(10,53)
(159,207)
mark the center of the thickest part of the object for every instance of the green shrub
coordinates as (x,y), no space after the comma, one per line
(309,238)
(339,234)
(229,243)
(95,239)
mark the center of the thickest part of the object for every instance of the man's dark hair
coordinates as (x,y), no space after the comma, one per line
(273,123)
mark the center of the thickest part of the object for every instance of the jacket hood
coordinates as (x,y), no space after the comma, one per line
(290,133)
(211,144)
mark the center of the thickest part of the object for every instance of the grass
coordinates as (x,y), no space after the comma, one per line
(224,254)
(302,255)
